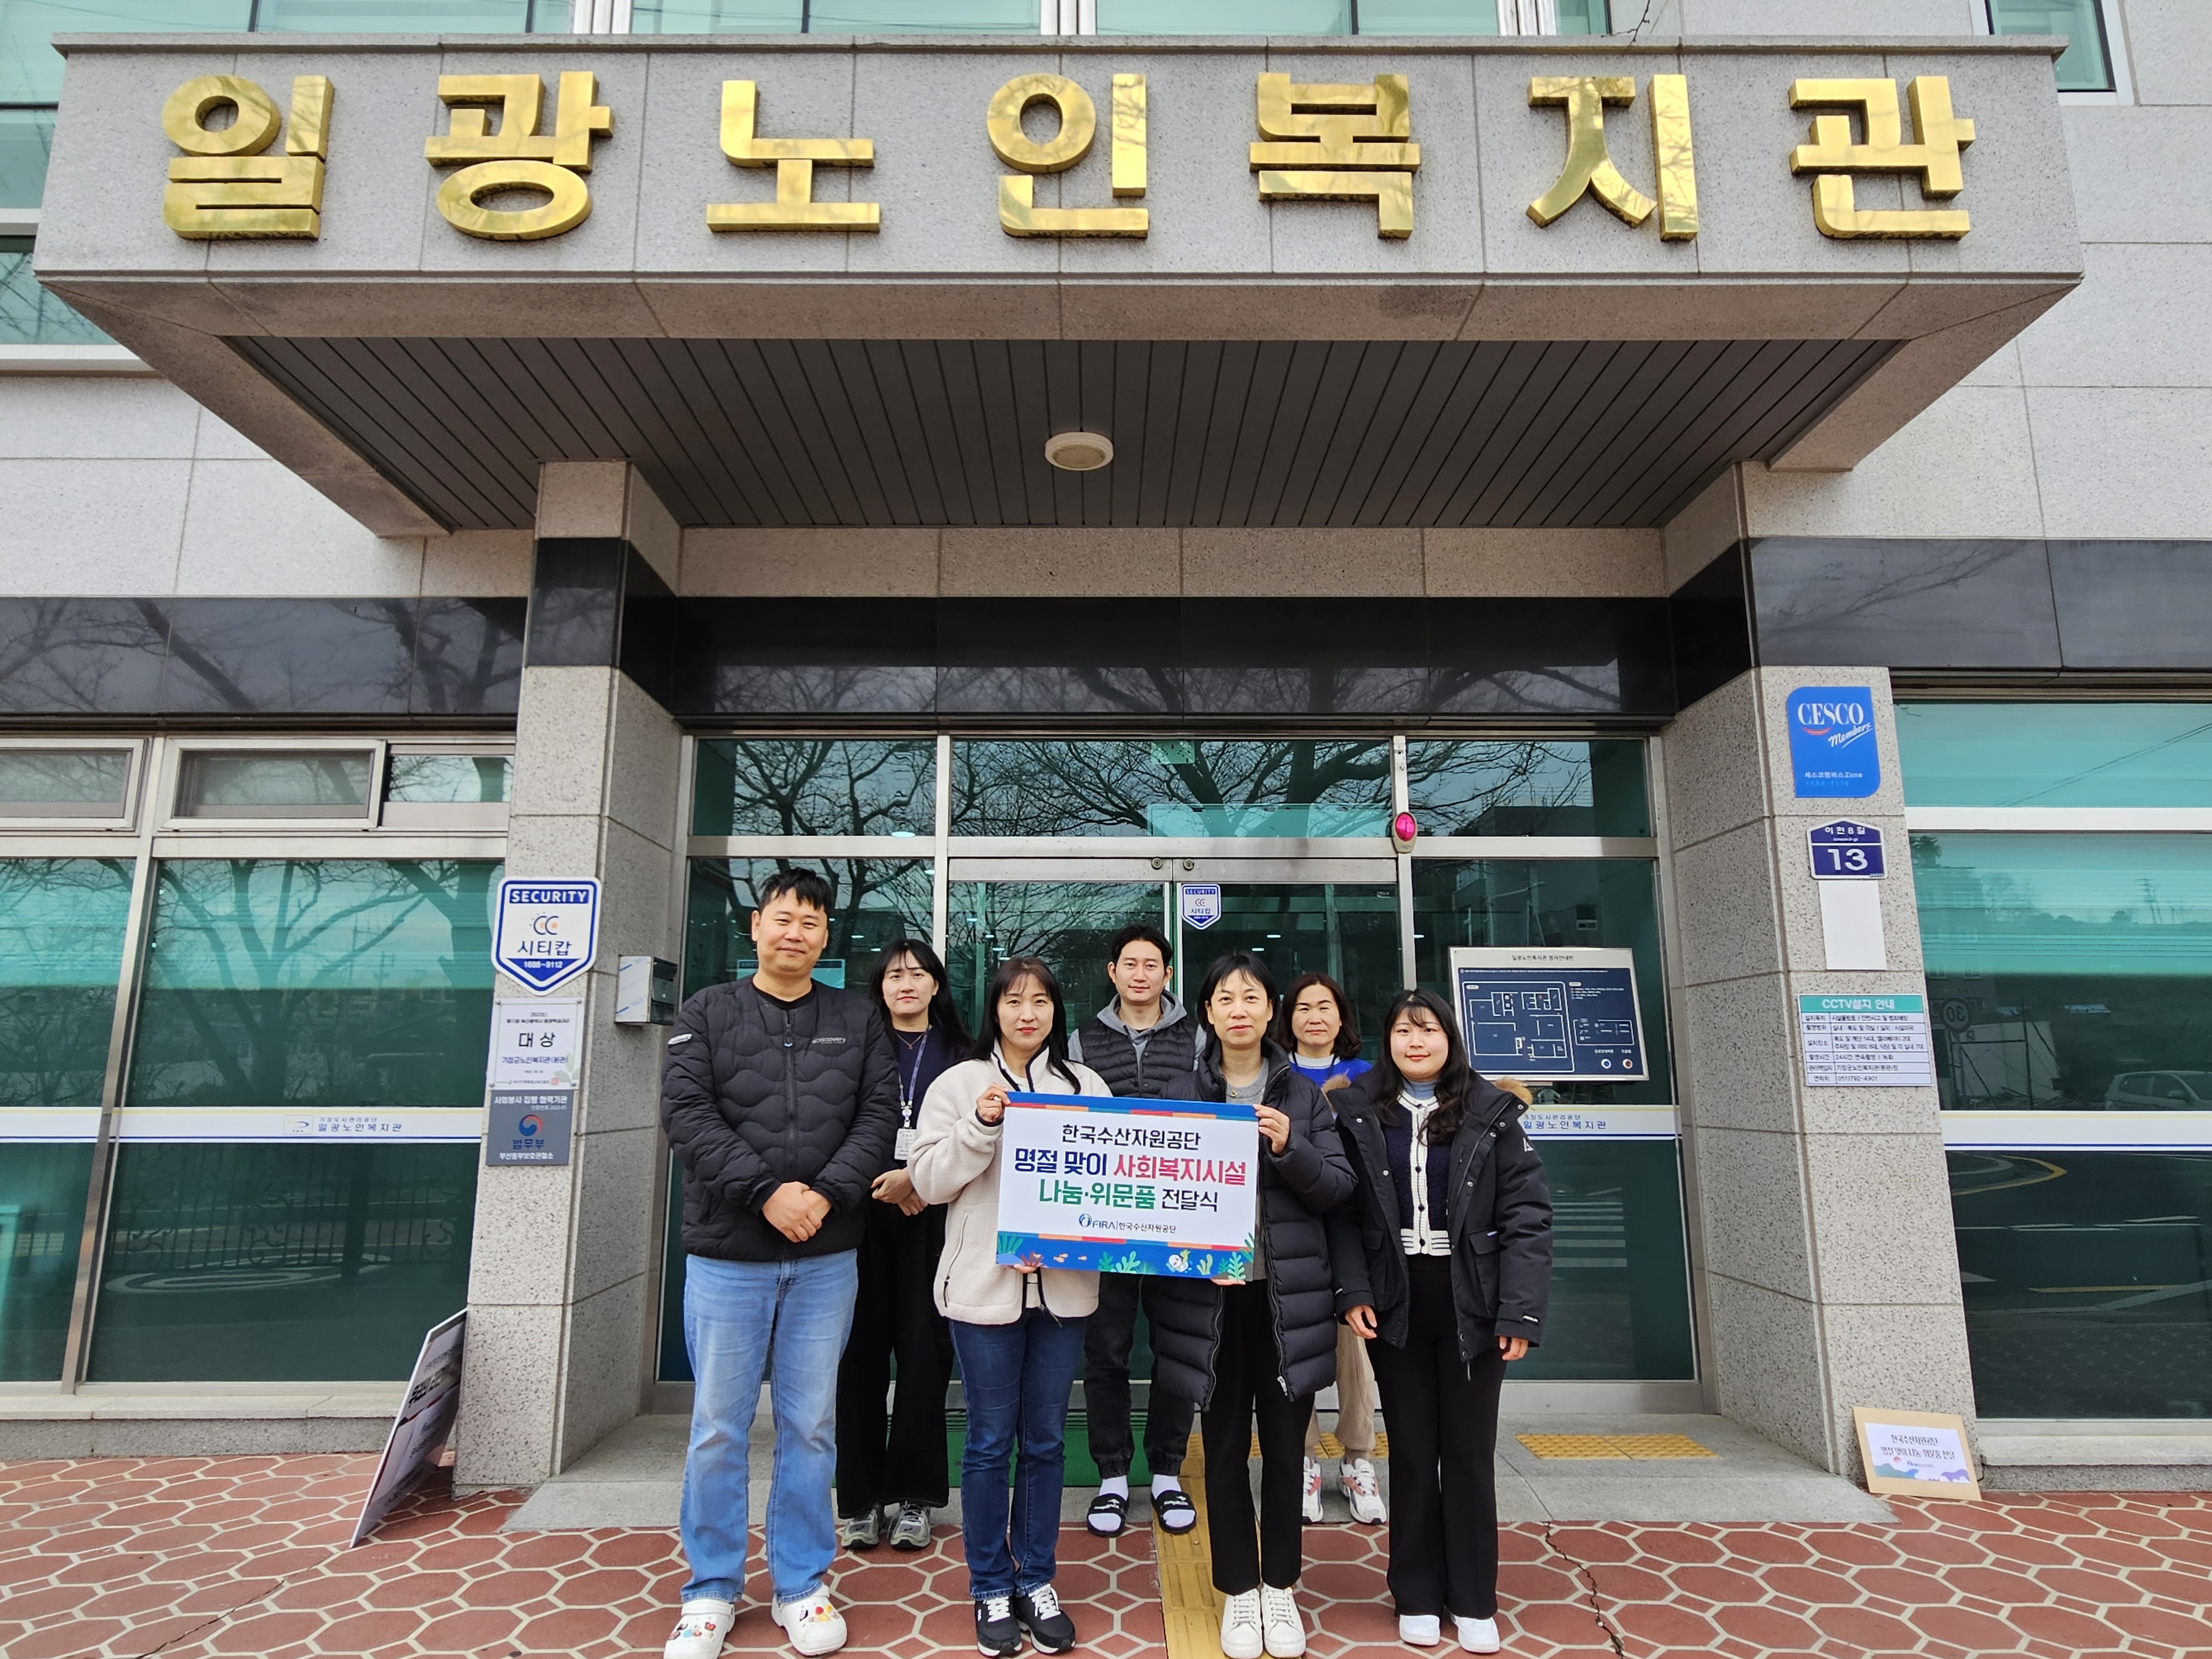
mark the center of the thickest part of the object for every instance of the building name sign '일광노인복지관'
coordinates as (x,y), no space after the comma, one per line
(514,166)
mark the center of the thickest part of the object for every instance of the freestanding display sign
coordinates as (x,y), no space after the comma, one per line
(426,1416)
(1129,1186)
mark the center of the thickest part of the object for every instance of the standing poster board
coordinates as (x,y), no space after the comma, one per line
(419,1433)
(1550,1015)
(1916,1453)
(1088,1181)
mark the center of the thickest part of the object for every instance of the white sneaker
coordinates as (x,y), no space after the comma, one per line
(813,1624)
(1419,1629)
(1284,1631)
(1240,1627)
(1313,1491)
(1477,1635)
(1357,1476)
(700,1629)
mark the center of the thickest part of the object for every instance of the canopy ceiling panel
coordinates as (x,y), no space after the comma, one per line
(1528,433)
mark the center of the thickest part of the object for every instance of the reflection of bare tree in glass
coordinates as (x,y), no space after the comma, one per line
(815,787)
(1043,787)
(1465,784)
(274,983)
(60,934)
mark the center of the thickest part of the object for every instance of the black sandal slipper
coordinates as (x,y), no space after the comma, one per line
(1109,1507)
(1175,1511)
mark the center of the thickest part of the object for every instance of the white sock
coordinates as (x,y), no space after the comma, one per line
(1164,1483)
(1116,1484)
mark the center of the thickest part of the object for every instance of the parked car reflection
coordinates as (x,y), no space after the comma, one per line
(2160,1091)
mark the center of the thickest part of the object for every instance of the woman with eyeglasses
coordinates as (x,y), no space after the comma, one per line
(1445,1254)
(1018,1331)
(897,1458)
(1260,1348)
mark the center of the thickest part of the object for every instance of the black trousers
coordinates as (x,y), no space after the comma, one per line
(1246,1363)
(895,1314)
(1106,1342)
(1443,1418)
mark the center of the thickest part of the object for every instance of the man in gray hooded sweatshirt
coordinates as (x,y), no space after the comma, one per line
(1143,1044)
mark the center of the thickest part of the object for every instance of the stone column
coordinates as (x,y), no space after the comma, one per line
(562,1279)
(1829,1270)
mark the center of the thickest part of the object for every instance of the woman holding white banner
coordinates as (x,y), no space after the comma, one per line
(1262,1347)
(1018,1331)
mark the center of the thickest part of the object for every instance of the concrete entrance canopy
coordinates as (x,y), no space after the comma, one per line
(1481,369)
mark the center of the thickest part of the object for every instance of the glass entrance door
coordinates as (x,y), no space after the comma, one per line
(1347,930)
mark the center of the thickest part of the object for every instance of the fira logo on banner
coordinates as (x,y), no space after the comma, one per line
(1832,753)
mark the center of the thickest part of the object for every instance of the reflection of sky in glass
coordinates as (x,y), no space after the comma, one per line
(2062,754)
(814,787)
(2065,904)
(61,921)
(63,778)
(29,314)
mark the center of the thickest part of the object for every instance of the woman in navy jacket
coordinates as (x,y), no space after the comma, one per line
(1448,1282)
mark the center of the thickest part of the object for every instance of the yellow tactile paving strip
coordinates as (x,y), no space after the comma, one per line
(1191,1605)
(1639,1447)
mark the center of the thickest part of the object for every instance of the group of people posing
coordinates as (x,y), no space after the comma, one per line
(840,1161)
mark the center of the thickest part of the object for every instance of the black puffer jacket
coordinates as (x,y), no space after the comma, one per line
(754,1095)
(1500,1221)
(1308,1178)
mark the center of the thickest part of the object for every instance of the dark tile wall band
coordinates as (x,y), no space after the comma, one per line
(260,658)
(1173,659)
(1985,610)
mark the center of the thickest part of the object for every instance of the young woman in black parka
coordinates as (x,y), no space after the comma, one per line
(1263,1347)
(1447,1253)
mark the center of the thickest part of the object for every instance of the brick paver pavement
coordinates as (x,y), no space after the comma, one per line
(192,1557)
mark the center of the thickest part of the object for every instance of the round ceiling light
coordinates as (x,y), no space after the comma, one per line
(1079,451)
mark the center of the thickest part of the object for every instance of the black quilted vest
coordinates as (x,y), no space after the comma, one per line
(1165,1069)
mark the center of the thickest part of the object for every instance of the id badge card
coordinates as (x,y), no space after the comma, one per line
(902,1149)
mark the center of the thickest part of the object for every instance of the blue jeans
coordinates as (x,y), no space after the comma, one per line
(786,1321)
(1016,1379)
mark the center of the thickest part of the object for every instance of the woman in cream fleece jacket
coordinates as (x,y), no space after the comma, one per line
(1018,1331)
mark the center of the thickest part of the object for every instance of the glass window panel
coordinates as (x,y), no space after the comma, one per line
(715,17)
(872,903)
(1428,16)
(1471,787)
(1301,788)
(273,786)
(922,17)
(1620,1283)
(2087,1280)
(2066,972)
(316,982)
(2056,754)
(26,143)
(814,787)
(31,69)
(62,922)
(1584,17)
(29,313)
(1068,923)
(281,1263)
(1225,17)
(64,783)
(448,780)
(406,17)
(42,1189)
(2083,66)
(1567,901)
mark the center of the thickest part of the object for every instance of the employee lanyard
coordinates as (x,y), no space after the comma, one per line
(907,1079)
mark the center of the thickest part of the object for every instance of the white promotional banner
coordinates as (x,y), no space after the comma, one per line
(1129,1186)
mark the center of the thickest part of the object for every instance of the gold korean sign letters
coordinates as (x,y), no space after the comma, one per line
(226,184)
(1318,142)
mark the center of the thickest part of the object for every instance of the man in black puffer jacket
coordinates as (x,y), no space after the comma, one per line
(781,1098)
